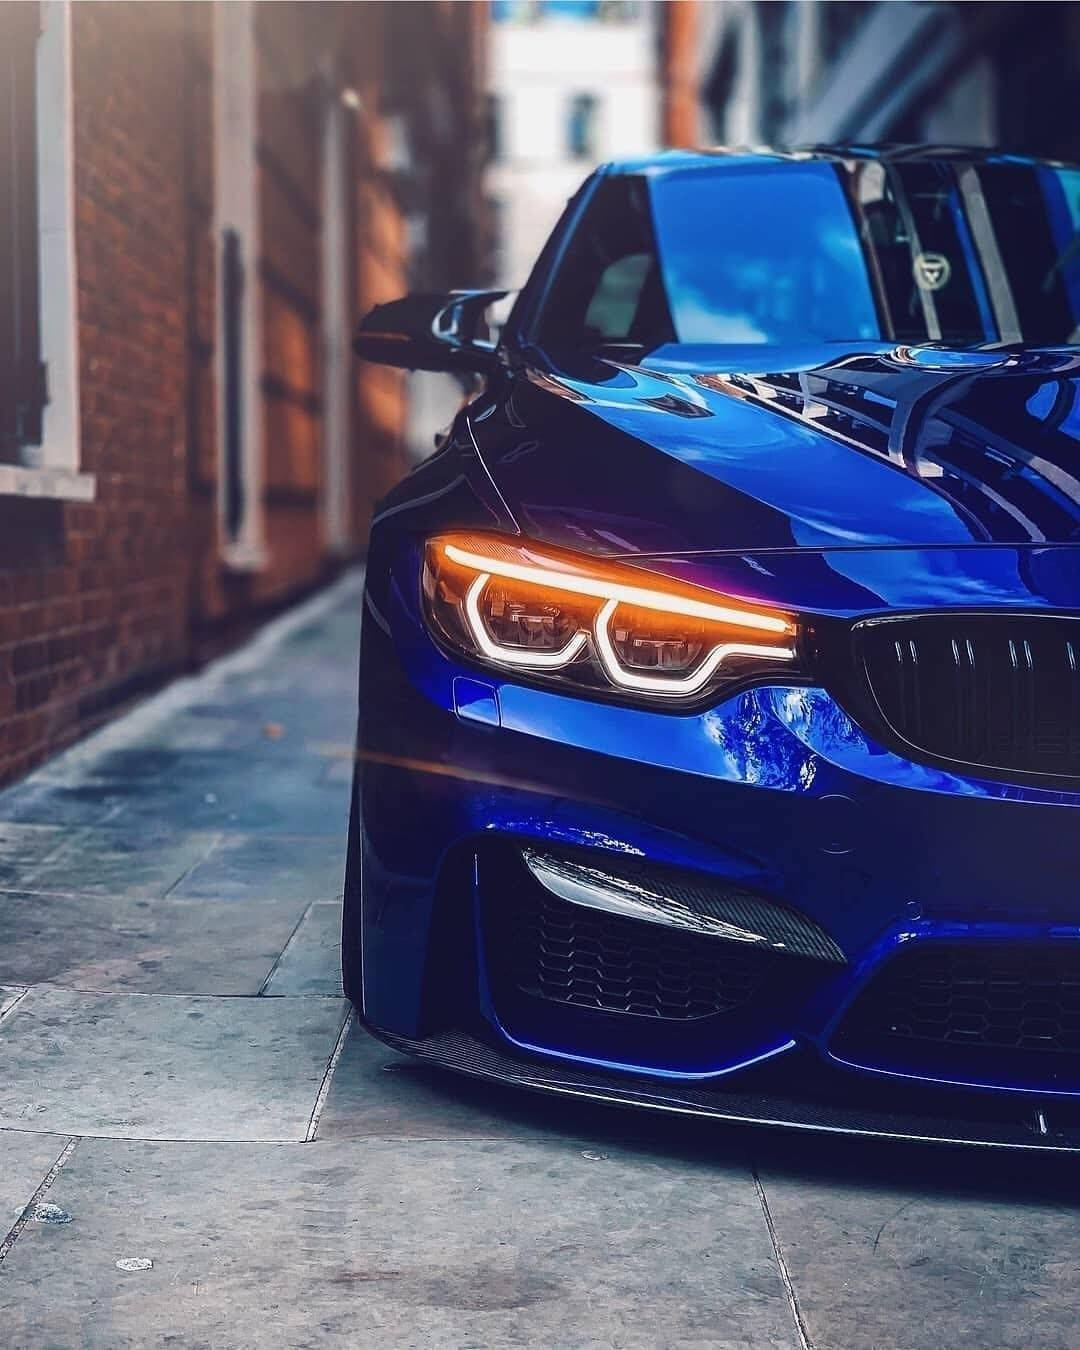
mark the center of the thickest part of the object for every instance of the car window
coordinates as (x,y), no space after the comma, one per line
(912,233)
(608,287)
(615,301)
(807,251)
(762,256)
(1034,213)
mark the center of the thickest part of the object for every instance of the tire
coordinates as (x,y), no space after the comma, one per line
(352,973)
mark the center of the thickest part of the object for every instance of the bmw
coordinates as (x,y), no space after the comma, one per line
(719,729)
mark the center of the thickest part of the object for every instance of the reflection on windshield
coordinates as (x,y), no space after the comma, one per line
(740,265)
(901,250)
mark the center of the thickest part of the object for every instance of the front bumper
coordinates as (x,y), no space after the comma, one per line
(799,1096)
(777,792)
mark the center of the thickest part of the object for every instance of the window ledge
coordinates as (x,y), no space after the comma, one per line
(62,485)
(239,557)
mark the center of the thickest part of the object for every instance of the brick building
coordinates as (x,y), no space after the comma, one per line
(196,201)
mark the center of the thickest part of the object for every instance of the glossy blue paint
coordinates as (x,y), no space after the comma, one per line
(839,483)
(476,701)
(861,447)
(744,791)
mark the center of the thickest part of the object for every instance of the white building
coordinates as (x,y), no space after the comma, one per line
(572,83)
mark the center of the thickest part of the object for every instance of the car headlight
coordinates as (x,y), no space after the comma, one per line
(595,626)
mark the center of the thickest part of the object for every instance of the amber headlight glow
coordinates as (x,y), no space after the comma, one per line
(595,625)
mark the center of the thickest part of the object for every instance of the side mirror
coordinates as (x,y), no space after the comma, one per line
(429,332)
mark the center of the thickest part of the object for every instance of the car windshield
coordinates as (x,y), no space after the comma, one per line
(825,251)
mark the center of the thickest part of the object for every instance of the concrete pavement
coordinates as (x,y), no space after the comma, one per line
(199,1149)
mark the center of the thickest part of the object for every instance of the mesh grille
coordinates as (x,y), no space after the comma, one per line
(1022,997)
(997,691)
(588,959)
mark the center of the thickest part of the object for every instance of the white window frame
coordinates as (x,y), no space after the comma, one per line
(51,469)
(236,208)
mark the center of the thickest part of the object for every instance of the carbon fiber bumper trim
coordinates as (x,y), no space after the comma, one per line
(1021,1124)
(689,903)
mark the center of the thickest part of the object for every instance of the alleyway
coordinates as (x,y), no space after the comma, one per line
(180,1084)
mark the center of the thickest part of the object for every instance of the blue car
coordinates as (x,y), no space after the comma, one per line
(719,737)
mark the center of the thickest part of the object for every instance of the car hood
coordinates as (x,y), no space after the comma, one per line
(703,450)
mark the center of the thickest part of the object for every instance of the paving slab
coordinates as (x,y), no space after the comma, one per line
(25,1159)
(127,944)
(917,1249)
(434,1244)
(133,860)
(253,866)
(311,963)
(212,791)
(301,713)
(339,768)
(25,846)
(9,994)
(214,727)
(147,1066)
(43,800)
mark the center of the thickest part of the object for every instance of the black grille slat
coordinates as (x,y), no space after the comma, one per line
(907,655)
(978,996)
(1000,692)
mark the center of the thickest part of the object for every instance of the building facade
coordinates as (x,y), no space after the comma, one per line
(196,203)
(800,72)
(571,83)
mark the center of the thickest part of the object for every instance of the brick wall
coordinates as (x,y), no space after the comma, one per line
(299,46)
(100,601)
(290,119)
(93,597)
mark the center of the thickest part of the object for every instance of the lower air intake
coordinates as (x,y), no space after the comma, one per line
(974,996)
(612,958)
(568,954)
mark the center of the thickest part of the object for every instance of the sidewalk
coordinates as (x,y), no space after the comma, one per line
(198,1148)
(180,1076)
